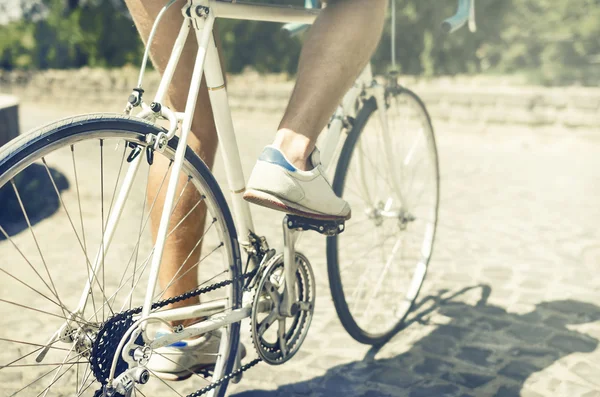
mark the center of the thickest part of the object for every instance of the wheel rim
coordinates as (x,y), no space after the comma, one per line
(51,240)
(384,253)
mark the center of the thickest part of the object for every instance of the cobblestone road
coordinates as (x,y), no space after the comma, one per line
(519,216)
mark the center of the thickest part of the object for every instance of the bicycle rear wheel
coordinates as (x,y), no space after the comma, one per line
(58,188)
(377,266)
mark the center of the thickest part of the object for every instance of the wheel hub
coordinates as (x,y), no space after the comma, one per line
(380,211)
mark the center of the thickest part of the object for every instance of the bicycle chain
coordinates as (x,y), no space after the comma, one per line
(101,368)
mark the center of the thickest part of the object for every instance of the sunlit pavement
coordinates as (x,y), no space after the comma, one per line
(519,215)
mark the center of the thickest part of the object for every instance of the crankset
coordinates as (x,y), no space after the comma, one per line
(277,337)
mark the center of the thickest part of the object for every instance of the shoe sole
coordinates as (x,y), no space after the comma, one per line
(273,202)
(179,376)
(183,375)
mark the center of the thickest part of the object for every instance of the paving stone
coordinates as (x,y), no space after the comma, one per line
(528,333)
(439,345)
(469,380)
(376,393)
(475,355)
(393,377)
(518,370)
(586,371)
(572,344)
(435,391)
(593,393)
(505,391)
(433,366)
(454,332)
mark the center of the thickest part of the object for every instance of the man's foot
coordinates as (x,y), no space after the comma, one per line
(185,358)
(275,183)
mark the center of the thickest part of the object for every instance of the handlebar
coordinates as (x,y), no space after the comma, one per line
(464,14)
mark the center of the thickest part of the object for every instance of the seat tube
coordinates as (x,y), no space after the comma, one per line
(227,141)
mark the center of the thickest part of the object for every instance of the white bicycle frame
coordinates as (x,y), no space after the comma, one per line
(200,16)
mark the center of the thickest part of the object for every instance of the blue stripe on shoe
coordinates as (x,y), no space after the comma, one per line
(180,343)
(274,156)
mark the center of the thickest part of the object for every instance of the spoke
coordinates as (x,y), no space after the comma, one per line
(375,168)
(187,258)
(31,344)
(146,263)
(10,364)
(193,267)
(188,214)
(83,388)
(56,377)
(77,379)
(369,250)
(183,367)
(31,288)
(112,200)
(137,245)
(26,260)
(45,391)
(383,274)
(81,244)
(163,382)
(135,252)
(31,308)
(102,252)
(55,293)
(41,311)
(36,380)
(181,194)
(363,277)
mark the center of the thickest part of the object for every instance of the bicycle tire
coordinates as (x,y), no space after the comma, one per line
(348,320)
(25,150)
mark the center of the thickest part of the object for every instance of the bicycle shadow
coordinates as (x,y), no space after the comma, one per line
(38,195)
(482,351)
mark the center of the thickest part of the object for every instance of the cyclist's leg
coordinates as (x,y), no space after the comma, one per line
(203,141)
(337,48)
(287,176)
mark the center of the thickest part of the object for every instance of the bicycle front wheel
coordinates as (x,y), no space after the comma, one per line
(58,188)
(388,172)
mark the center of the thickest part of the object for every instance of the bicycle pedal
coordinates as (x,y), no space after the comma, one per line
(325,227)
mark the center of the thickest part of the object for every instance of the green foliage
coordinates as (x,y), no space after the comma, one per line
(422,47)
(94,34)
(553,42)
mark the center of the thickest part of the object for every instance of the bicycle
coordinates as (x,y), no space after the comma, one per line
(100,344)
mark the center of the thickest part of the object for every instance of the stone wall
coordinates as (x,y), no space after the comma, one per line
(481,99)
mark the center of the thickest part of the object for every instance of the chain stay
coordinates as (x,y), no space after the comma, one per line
(185,296)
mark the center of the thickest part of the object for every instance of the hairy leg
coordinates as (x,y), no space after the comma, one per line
(337,48)
(203,141)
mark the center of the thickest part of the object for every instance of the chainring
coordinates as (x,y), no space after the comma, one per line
(270,289)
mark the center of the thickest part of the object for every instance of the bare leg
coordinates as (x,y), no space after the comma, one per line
(203,141)
(337,48)
(339,45)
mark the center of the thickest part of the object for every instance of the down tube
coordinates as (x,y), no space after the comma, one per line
(227,142)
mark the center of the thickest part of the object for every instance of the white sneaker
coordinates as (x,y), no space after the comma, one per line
(185,358)
(275,183)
